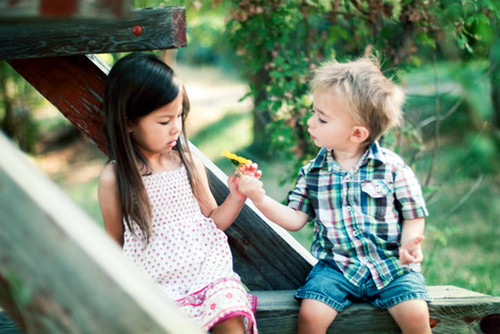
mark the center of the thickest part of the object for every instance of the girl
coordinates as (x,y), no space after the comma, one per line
(156,201)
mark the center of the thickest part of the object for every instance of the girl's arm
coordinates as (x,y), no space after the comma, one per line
(223,215)
(280,214)
(107,194)
(412,235)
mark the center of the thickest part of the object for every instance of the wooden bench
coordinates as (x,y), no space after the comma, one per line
(60,273)
(453,310)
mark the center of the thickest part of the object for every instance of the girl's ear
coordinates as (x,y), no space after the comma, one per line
(130,126)
(360,133)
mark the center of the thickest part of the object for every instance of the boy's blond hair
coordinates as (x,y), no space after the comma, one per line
(373,99)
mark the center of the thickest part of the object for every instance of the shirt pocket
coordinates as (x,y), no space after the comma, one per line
(377,188)
(378,198)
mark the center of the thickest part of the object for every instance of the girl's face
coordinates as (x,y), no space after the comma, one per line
(158,131)
(331,125)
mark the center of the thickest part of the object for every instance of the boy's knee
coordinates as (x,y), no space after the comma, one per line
(315,316)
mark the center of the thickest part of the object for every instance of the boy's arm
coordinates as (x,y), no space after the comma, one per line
(412,235)
(280,214)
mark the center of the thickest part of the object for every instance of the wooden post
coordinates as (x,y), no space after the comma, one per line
(60,273)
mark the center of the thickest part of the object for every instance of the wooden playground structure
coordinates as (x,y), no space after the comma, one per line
(60,273)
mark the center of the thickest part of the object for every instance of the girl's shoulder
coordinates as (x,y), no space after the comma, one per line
(108,174)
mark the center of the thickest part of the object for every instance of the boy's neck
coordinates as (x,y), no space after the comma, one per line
(347,159)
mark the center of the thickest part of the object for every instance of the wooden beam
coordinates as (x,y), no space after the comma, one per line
(60,272)
(146,29)
(453,310)
(265,256)
(49,9)
(74,85)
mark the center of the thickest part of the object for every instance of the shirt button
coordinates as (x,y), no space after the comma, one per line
(347,178)
(356,233)
(348,208)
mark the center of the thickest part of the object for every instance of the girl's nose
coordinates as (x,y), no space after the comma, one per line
(177,125)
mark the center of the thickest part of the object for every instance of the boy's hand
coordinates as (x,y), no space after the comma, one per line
(250,170)
(410,251)
(252,188)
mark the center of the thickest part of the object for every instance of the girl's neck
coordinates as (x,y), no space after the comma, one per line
(162,162)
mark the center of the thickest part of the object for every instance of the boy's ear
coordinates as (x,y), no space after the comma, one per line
(360,133)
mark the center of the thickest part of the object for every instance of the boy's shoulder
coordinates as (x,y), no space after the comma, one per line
(317,162)
(390,157)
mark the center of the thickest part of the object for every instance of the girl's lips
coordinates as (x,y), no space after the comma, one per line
(172,143)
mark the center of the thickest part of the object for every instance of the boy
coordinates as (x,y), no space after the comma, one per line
(367,204)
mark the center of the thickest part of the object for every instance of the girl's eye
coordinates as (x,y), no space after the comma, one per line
(165,123)
(321,121)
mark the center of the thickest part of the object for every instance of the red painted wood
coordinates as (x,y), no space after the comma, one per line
(58,8)
(64,9)
(75,85)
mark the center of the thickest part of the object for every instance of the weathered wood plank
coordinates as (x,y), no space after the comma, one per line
(60,273)
(266,256)
(453,310)
(50,9)
(157,28)
(73,84)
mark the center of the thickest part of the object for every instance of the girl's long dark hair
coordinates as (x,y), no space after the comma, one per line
(138,84)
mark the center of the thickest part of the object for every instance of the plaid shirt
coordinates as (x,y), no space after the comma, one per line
(358,214)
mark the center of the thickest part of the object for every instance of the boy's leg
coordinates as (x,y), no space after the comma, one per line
(412,316)
(315,317)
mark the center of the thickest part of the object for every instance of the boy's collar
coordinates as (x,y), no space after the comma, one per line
(373,153)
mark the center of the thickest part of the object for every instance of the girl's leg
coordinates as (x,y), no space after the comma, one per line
(412,317)
(315,317)
(232,325)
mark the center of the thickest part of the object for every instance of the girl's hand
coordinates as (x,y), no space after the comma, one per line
(250,170)
(411,252)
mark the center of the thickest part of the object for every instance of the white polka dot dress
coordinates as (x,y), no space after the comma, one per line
(187,255)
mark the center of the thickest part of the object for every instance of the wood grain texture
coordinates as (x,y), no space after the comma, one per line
(60,272)
(74,85)
(161,28)
(453,310)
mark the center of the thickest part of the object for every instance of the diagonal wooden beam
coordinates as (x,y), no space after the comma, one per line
(146,29)
(265,256)
(60,273)
(74,85)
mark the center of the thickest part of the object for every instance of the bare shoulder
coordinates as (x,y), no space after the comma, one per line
(196,161)
(108,176)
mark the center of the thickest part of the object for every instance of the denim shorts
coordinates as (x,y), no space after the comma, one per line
(328,285)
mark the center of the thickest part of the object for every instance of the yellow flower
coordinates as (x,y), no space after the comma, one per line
(236,160)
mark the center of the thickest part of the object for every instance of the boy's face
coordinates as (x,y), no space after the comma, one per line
(331,126)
